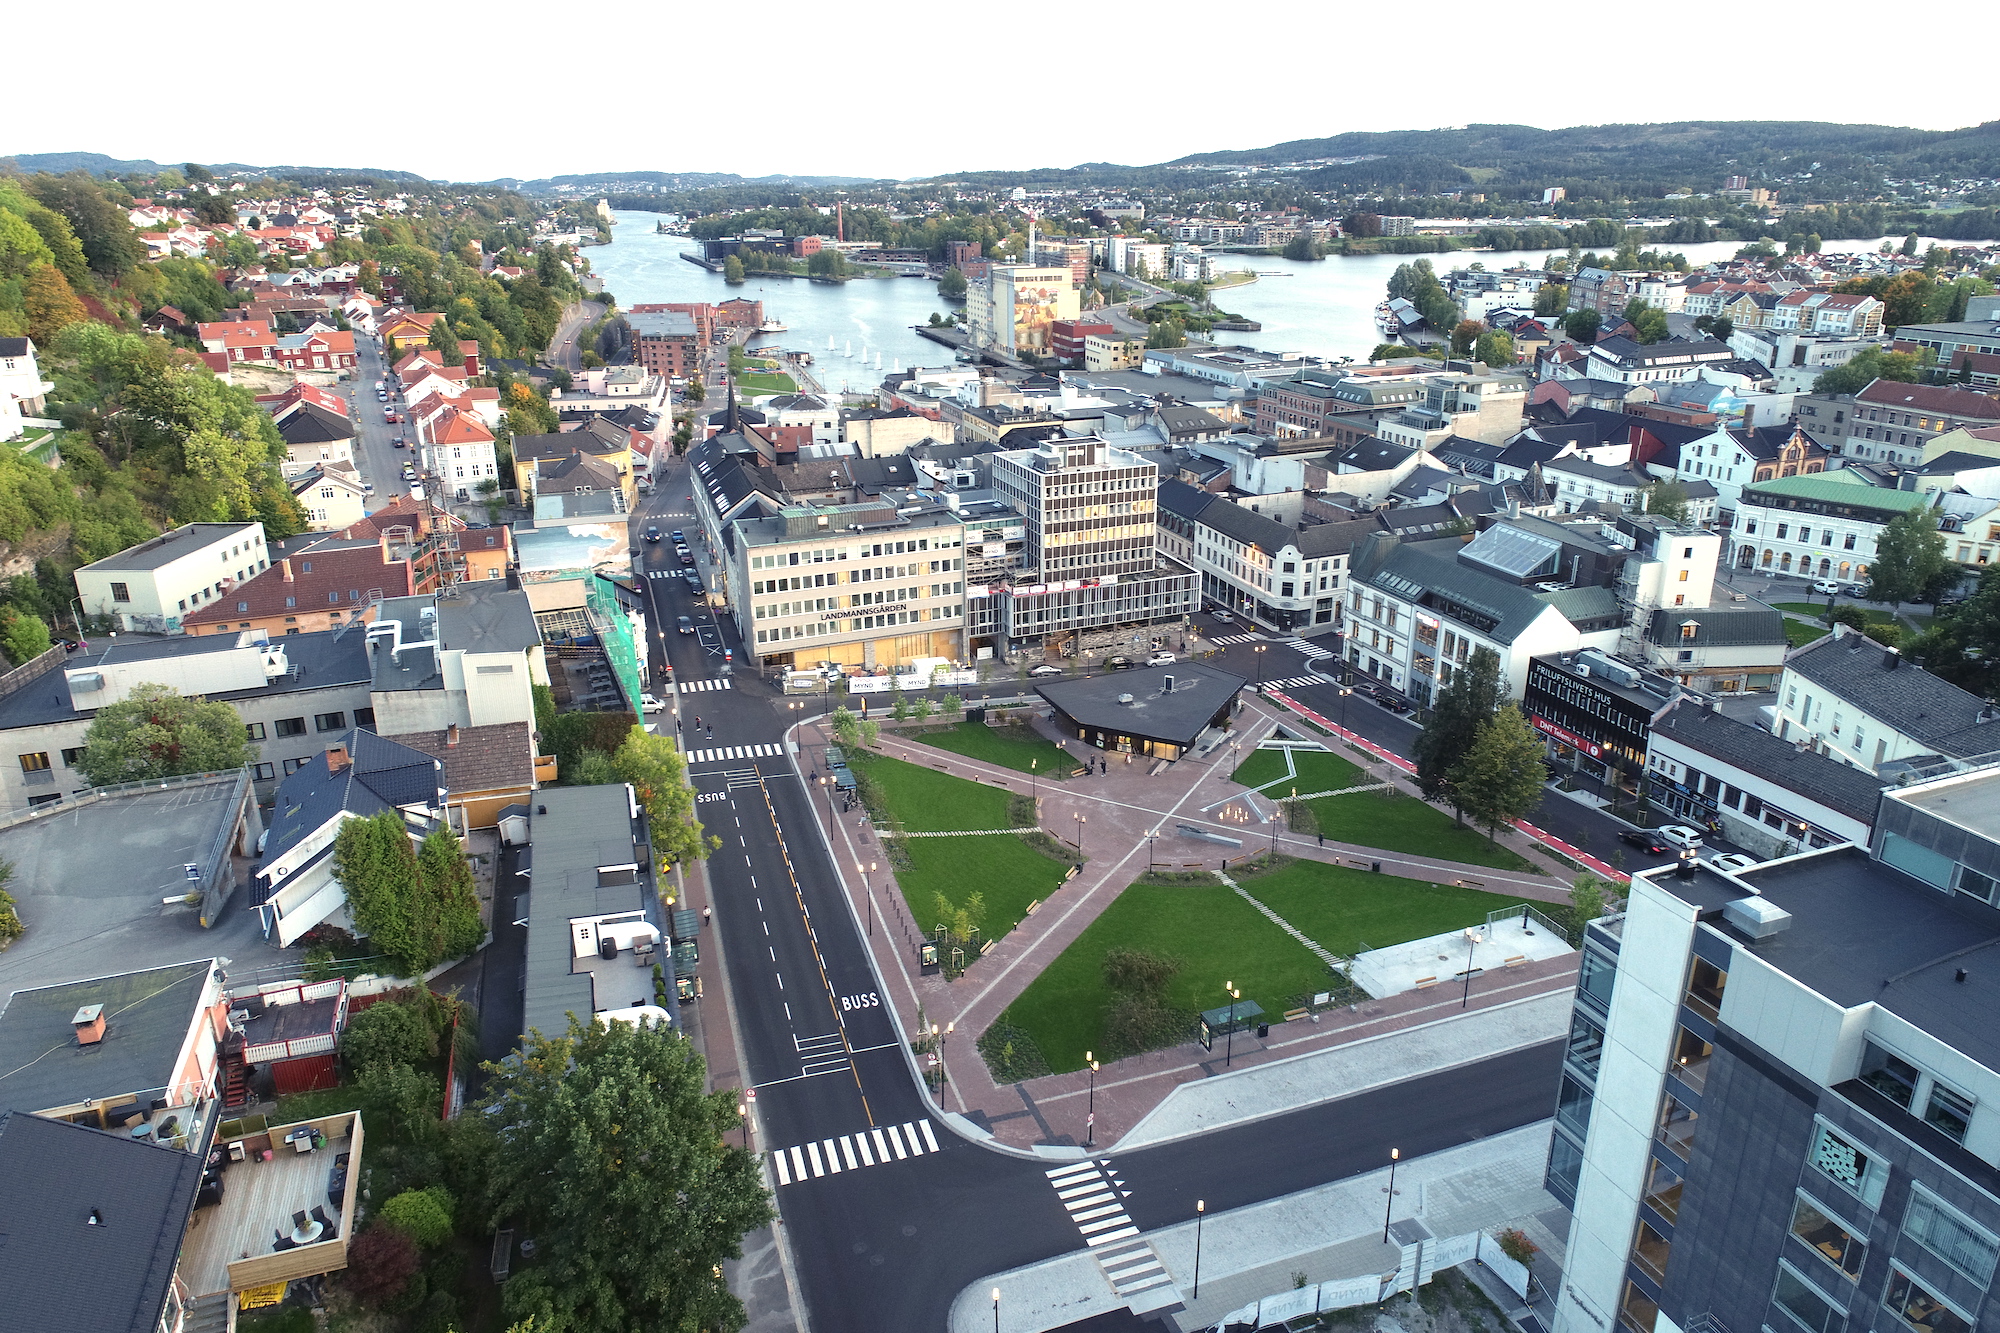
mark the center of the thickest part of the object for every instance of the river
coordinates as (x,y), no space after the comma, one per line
(1323,308)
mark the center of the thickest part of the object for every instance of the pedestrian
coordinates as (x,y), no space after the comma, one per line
(707,915)
(1322,839)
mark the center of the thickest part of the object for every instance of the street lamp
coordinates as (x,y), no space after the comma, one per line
(1472,940)
(1258,654)
(1229,1031)
(1345,690)
(996,1310)
(1151,834)
(1390,1190)
(867,892)
(1200,1207)
(1090,1123)
(1274,836)
(1081,820)
(1035,786)
(743,1115)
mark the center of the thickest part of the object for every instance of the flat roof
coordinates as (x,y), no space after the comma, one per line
(1199,692)
(169,546)
(147,1016)
(573,831)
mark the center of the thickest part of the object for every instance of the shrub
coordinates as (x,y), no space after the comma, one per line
(388,1033)
(1011,1054)
(380,1264)
(425,1216)
(1135,972)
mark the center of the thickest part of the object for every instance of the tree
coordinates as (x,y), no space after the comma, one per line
(1649,323)
(1863,369)
(1721,328)
(827,264)
(425,1215)
(23,637)
(444,341)
(1668,499)
(1910,563)
(1361,224)
(385,1035)
(380,1264)
(1500,778)
(1550,299)
(1304,246)
(1586,904)
(528,413)
(1910,245)
(1466,701)
(155,732)
(49,304)
(1583,324)
(732,269)
(1464,335)
(658,774)
(591,360)
(1494,349)
(451,898)
(417,908)
(1167,333)
(952,285)
(622,1108)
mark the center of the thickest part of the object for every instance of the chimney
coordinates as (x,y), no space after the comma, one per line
(1891,659)
(89,1024)
(336,758)
(451,736)
(286,565)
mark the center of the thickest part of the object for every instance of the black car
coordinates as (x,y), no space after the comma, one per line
(1117,663)
(1650,843)
(1390,700)
(652,536)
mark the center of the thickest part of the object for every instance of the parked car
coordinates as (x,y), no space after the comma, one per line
(1161,658)
(402,443)
(678,536)
(1680,835)
(1118,663)
(1046,669)
(1645,840)
(1827,586)
(686,559)
(1389,699)
(652,536)
(1733,862)
(685,625)
(368,488)
(680,548)
(648,704)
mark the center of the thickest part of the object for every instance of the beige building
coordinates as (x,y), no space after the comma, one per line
(1102,353)
(1009,310)
(879,434)
(152,585)
(333,494)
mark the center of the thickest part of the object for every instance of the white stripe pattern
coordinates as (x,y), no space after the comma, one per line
(720,753)
(696,686)
(1094,1198)
(852,1152)
(1299,682)
(1238,638)
(1312,650)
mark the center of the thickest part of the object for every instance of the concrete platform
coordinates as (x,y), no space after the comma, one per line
(1442,960)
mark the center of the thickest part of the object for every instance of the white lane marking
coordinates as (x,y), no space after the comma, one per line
(847,1150)
(812,1153)
(861,1142)
(798,1164)
(881,1145)
(929,1137)
(784,1175)
(832,1158)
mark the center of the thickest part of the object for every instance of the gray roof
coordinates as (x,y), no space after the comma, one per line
(147,1017)
(1374,454)
(158,552)
(1756,626)
(1200,691)
(1429,573)
(1812,776)
(1177,497)
(1616,348)
(486,616)
(1329,539)
(1243,525)
(1621,474)
(1931,711)
(381,774)
(309,423)
(662,324)
(61,1271)
(573,831)
(1582,605)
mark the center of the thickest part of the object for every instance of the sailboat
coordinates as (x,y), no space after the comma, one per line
(896,365)
(878,360)
(849,351)
(829,343)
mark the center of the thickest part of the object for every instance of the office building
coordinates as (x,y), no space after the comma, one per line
(151,586)
(1012,309)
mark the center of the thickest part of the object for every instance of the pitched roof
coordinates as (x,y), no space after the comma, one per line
(1757,626)
(457,426)
(1824,486)
(1931,398)
(534,448)
(312,580)
(309,423)
(1810,775)
(93,1223)
(1425,571)
(1898,693)
(380,774)
(484,759)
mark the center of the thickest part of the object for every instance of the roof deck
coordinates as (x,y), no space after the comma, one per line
(229,1244)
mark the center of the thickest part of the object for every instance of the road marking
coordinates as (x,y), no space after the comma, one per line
(861,1142)
(847,1150)
(832,1158)
(798,1164)
(784,1172)
(1238,638)
(929,1137)
(1090,1193)
(825,1157)
(812,1154)
(718,753)
(697,686)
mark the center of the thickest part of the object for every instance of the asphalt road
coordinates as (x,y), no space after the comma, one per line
(563,353)
(375,454)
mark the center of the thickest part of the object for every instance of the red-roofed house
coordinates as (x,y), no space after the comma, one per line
(333,350)
(281,405)
(314,590)
(1892,422)
(239,340)
(441,547)
(458,450)
(425,379)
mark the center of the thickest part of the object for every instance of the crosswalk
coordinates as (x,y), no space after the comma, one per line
(1312,650)
(1297,682)
(1093,1196)
(665,574)
(854,1152)
(1227,639)
(721,752)
(697,686)
(824,1054)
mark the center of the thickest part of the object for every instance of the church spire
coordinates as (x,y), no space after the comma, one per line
(732,424)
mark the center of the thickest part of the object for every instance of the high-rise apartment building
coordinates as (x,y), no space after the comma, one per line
(1010,309)
(1780,1103)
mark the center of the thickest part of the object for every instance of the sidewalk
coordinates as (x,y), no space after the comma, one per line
(1120,808)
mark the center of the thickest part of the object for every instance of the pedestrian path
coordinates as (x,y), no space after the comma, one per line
(1322,953)
(1093,1196)
(1238,638)
(696,686)
(1297,682)
(719,753)
(1312,650)
(665,574)
(854,1152)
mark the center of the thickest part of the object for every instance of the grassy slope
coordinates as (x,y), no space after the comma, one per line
(976,740)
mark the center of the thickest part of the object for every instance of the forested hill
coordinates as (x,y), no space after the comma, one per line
(97,164)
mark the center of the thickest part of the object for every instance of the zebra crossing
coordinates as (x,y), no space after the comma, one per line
(1238,638)
(697,686)
(1093,1196)
(1297,682)
(854,1152)
(1312,651)
(767,751)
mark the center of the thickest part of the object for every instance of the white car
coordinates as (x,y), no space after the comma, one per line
(1827,586)
(1733,862)
(648,704)
(1161,658)
(1679,835)
(1046,669)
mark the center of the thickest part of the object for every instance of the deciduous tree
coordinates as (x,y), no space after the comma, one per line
(952,285)
(49,304)
(1500,778)
(732,269)
(1463,705)
(155,732)
(1910,563)
(1668,499)
(1550,299)
(23,636)
(658,774)
(1583,324)
(1494,349)
(1464,335)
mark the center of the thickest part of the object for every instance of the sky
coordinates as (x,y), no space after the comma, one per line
(886,88)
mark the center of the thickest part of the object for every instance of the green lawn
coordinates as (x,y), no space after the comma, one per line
(312,1105)
(1001,867)
(1318,770)
(1010,748)
(1798,632)
(1217,936)
(755,383)
(1341,908)
(1817,609)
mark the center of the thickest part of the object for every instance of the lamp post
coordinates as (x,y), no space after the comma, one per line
(1200,1207)
(1274,835)
(1390,1190)
(1345,690)
(1472,941)
(867,892)
(1151,834)
(996,1310)
(827,782)
(743,1115)
(1229,1031)
(1035,786)
(1081,820)
(1258,654)
(1090,1121)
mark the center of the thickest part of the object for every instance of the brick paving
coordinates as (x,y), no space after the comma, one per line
(1119,809)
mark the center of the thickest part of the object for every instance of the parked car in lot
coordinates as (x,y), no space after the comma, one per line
(1045,669)
(1161,658)
(652,536)
(1827,586)
(1645,840)
(685,625)
(1680,835)
(1733,862)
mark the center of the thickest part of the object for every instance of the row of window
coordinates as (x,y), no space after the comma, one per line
(1827,536)
(38,761)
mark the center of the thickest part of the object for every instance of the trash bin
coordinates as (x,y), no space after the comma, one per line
(1375,866)
(1263,1031)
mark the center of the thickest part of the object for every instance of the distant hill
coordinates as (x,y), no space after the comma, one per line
(97,164)
(680,180)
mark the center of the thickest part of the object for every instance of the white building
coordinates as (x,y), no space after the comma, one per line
(150,586)
(1823,527)
(23,391)
(1849,697)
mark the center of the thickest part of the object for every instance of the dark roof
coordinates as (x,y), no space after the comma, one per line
(1955,461)
(875,473)
(1616,348)
(146,1014)
(158,552)
(1327,539)
(1200,691)
(1906,697)
(1475,457)
(309,423)
(13,346)
(534,448)
(1932,398)
(1177,497)
(1374,454)
(577,472)
(486,616)
(573,831)
(381,774)
(1755,627)
(1812,776)
(1252,529)
(90,1226)
(485,758)
(1423,571)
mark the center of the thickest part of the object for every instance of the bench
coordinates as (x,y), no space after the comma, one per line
(1033,907)
(1515,961)
(1293,1015)
(1425,983)
(1470,883)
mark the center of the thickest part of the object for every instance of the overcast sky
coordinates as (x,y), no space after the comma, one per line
(888,88)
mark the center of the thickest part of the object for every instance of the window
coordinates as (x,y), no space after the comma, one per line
(1949,1111)
(37,762)
(263,772)
(1676,1125)
(329,721)
(1663,1189)
(70,756)
(1586,1046)
(1847,1164)
(294,765)
(1704,989)
(1975,885)
(1889,1074)
(254,730)
(1649,1251)
(1573,1107)
(1922,1311)
(1804,1303)
(291,726)
(1842,1246)
(1691,1056)
(1950,1235)
(121,593)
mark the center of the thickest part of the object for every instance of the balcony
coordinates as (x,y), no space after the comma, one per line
(229,1243)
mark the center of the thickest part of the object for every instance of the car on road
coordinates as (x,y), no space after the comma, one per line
(1389,699)
(1224,617)
(1680,835)
(680,548)
(1161,658)
(652,536)
(401,443)
(678,536)
(1827,586)
(686,558)
(1118,663)
(1045,669)
(1733,862)
(392,419)
(1646,840)
(368,488)
(685,624)
(648,704)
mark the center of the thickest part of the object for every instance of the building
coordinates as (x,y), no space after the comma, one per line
(1820,525)
(1286,576)
(1068,338)
(315,435)
(1893,422)
(1398,226)
(1777,1099)
(486,769)
(322,587)
(1597,715)
(1105,352)
(152,586)
(1948,343)
(876,433)
(23,391)
(468,655)
(459,452)
(1152,712)
(1723,649)
(332,494)
(1757,791)
(1622,361)
(667,343)
(1852,699)
(1317,403)
(610,446)
(1011,310)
